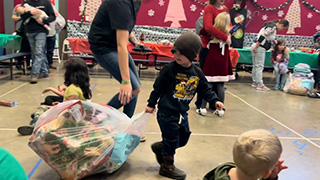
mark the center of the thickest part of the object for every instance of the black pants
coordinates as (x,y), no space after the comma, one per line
(174,134)
(218,88)
(50,99)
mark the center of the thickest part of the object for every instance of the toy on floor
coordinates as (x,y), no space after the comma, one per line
(8,103)
(78,138)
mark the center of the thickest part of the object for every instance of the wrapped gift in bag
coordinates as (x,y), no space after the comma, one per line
(78,138)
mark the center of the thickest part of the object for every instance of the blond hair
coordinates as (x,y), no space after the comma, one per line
(222,22)
(256,152)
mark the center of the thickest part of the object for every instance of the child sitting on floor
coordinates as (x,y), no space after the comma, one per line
(77,80)
(256,155)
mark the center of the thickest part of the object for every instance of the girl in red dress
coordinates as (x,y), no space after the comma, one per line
(215,48)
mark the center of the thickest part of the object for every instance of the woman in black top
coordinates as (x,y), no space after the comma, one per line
(109,34)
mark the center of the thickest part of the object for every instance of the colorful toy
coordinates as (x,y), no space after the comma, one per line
(8,103)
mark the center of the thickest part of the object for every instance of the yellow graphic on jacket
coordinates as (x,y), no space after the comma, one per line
(185,86)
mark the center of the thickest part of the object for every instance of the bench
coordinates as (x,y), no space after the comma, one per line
(11,57)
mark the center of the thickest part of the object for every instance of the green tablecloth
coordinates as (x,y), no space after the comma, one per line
(10,41)
(295,58)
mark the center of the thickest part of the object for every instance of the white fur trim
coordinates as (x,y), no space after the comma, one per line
(220,78)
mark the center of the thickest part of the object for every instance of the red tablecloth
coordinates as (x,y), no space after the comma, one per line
(163,51)
(83,46)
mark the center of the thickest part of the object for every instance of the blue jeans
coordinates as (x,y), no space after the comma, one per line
(174,135)
(51,43)
(39,60)
(280,77)
(109,61)
(258,57)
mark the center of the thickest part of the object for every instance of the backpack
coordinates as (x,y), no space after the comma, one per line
(199,24)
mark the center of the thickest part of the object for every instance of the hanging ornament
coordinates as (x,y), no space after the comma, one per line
(310,6)
(270,9)
(294,16)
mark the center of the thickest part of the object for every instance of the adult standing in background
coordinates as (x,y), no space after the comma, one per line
(109,34)
(55,27)
(20,30)
(266,35)
(217,65)
(37,36)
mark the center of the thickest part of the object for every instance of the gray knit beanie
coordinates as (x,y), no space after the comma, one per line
(188,44)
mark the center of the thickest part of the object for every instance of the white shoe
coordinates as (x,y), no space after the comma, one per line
(254,85)
(202,111)
(219,112)
(262,87)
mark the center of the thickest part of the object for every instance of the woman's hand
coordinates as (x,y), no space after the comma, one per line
(228,41)
(149,110)
(125,93)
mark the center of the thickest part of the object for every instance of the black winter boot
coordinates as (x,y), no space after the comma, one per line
(169,170)
(157,149)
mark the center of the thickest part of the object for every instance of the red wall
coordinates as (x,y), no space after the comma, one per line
(1,17)
(254,24)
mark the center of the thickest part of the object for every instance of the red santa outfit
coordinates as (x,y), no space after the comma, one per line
(217,66)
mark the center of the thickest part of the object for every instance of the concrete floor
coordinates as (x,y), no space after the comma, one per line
(292,118)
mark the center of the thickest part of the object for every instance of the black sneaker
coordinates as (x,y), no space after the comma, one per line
(25,130)
(173,173)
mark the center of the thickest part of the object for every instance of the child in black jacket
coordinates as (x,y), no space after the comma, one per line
(175,88)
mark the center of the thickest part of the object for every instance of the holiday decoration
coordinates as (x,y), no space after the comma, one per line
(294,16)
(88,9)
(151,12)
(175,13)
(270,9)
(280,13)
(200,2)
(193,8)
(310,6)
(265,17)
(161,2)
(78,138)
(309,15)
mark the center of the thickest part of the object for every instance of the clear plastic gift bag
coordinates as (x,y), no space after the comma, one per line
(78,138)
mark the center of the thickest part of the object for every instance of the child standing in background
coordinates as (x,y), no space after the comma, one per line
(263,43)
(77,81)
(280,61)
(175,88)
